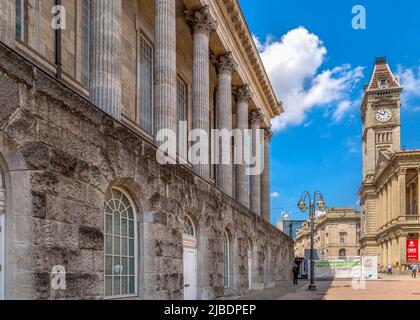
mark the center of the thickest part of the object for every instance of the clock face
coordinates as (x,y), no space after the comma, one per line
(384,115)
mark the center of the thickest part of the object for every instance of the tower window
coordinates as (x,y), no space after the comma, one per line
(383,82)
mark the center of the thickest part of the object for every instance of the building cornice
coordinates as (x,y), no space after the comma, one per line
(238,28)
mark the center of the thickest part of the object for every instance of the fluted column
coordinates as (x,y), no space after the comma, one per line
(395,197)
(255,197)
(202,24)
(8,22)
(265,179)
(105,84)
(379,202)
(225,65)
(165,66)
(402,207)
(389,205)
(242,186)
(385,206)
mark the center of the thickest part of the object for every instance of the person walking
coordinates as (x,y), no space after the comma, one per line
(414,269)
(295,274)
(389,268)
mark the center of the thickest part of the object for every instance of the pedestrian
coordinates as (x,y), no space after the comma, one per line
(295,274)
(390,269)
(414,269)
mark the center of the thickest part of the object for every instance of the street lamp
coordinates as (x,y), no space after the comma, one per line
(320,204)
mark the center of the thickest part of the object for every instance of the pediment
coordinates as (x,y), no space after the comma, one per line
(383,159)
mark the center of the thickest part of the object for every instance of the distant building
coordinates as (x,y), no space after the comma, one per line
(336,234)
(290,227)
(390,191)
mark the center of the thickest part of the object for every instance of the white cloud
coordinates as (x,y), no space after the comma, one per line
(275,195)
(341,110)
(293,64)
(410,80)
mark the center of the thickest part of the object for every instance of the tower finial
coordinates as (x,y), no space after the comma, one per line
(380,60)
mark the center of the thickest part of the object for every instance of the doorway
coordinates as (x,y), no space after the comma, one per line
(190,260)
(249,266)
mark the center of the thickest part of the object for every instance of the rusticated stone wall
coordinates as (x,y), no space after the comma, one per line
(60,155)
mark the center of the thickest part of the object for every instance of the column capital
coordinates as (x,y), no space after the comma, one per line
(256,117)
(226,63)
(244,94)
(402,171)
(268,134)
(201,20)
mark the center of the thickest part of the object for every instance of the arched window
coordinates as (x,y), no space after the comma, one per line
(227,259)
(120,245)
(189,229)
(342,253)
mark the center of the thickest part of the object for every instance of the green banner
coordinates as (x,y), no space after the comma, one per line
(342,264)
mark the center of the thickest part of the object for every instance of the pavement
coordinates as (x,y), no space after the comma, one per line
(385,288)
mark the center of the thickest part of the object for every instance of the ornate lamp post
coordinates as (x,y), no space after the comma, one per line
(303,207)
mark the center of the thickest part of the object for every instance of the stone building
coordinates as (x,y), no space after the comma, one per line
(336,235)
(390,190)
(81,191)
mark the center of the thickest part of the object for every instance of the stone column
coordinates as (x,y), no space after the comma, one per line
(8,22)
(225,65)
(242,186)
(105,82)
(256,119)
(411,200)
(265,179)
(383,254)
(402,210)
(202,24)
(165,66)
(389,188)
(395,197)
(395,251)
(380,209)
(389,246)
(385,216)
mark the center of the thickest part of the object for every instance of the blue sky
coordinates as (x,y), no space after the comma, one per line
(318,64)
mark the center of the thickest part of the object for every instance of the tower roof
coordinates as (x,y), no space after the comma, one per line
(382,77)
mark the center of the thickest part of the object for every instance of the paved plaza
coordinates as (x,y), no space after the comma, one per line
(386,288)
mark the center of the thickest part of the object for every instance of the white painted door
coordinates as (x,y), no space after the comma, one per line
(190,274)
(2,254)
(250,269)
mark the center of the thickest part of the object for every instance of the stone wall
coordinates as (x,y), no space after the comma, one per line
(60,155)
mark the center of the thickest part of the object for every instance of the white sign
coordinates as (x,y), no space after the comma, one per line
(349,268)
(370,268)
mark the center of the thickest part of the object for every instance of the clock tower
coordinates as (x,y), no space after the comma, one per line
(381,118)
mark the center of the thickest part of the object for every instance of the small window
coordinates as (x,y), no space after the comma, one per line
(182,95)
(20,20)
(86,42)
(342,253)
(146,117)
(120,245)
